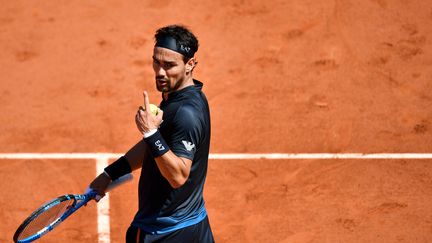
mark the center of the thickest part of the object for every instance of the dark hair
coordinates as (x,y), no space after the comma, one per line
(181,34)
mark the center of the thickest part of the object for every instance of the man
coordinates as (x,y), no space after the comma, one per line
(173,155)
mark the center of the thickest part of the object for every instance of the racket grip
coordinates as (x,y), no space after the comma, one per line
(121,180)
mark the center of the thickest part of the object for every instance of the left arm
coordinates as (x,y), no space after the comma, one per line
(173,168)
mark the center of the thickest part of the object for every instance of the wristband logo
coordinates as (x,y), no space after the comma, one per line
(159,145)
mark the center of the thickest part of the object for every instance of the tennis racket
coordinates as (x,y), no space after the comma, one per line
(52,213)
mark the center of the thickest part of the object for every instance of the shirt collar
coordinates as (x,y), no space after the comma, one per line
(197,85)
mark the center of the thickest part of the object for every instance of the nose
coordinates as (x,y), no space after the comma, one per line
(159,71)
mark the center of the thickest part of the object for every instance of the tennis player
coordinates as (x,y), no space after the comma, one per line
(173,154)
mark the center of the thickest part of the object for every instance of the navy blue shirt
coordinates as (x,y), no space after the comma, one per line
(186,129)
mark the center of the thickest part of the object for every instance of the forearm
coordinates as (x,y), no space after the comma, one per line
(131,161)
(173,168)
(135,156)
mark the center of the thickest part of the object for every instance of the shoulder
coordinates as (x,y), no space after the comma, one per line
(187,113)
(193,103)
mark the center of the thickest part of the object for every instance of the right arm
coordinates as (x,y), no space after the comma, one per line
(135,157)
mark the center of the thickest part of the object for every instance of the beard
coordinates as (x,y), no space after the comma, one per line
(163,85)
(167,85)
(162,88)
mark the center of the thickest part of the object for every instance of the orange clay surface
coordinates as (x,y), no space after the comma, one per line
(296,76)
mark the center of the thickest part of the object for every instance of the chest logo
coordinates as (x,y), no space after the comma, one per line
(188,145)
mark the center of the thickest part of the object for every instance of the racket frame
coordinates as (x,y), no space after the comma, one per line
(78,201)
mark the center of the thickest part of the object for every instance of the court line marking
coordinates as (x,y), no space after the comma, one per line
(102,160)
(107,156)
(103,207)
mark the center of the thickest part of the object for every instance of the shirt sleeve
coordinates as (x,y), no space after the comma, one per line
(187,130)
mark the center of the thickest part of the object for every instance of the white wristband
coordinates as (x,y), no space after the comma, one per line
(149,133)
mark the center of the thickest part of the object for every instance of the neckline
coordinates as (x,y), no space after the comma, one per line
(197,85)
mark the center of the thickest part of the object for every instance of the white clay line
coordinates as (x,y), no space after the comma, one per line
(103,206)
(107,156)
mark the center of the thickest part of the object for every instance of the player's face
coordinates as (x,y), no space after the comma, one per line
(169,68)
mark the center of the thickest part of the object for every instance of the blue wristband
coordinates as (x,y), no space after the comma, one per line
(157,144)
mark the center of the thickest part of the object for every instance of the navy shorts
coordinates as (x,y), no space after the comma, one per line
(198,233)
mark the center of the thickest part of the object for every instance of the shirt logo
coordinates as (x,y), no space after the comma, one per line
(188,145)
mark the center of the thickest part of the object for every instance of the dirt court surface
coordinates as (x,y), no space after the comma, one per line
(281,77)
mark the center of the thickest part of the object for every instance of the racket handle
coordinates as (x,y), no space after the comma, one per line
(119,181)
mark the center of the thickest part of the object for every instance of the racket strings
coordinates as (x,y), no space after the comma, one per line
(45,218)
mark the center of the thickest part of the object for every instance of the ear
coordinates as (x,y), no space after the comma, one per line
(190,65)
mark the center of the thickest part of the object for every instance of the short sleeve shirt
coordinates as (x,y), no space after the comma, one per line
(186,129)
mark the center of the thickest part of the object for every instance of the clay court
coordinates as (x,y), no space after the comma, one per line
(284,77)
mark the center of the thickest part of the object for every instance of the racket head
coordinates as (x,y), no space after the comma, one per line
(48,216)
(52,213)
